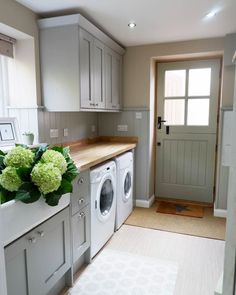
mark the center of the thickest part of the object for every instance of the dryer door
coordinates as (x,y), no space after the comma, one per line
(127,185)
(105,198)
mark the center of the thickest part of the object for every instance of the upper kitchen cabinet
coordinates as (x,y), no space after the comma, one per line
(230,48)
(81,67)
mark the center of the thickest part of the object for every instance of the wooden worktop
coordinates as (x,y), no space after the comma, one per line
(89,154)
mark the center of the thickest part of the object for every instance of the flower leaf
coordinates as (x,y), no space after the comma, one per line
(24,173)
(2,153)
(52,199)
(71,172)
(58,149)
(65,187)
(2,165)
(39,152)
(28,193)
(5,195)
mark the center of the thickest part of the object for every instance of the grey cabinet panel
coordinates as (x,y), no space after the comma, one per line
(99,74)
(113,71)
(60,68)
(49,256)
(86,69)
(36,261)
(80,196)
(16,268)
(116,81)
(81,232)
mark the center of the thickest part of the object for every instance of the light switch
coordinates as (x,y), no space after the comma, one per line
(65,132)
(53,133)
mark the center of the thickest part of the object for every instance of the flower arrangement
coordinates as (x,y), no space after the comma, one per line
(27,174)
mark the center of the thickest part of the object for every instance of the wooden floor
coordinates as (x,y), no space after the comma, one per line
(208,226)
(200,260)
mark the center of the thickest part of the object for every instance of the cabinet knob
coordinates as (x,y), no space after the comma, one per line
(32,240)
(41,233)
(81,215)
(96,104)
(81,201)
(81,180)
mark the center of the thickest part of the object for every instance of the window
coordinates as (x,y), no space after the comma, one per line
(187,95)
(4,86)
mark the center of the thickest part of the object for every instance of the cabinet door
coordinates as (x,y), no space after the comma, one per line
(99,74)
(49,257)
(108,78)
(86,69)
(116,80)
(81,232)
(17,273)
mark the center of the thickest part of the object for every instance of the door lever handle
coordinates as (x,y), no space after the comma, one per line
(159,121)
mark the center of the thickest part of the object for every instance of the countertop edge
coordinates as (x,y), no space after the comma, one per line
(103,159)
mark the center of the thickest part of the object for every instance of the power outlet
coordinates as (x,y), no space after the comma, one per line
(138,115)
(53,133)
(65,132)
(122,128)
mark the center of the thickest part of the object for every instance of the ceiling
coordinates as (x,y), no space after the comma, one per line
(157,21)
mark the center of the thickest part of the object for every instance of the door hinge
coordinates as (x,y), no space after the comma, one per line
(214,190)
(96,204)
(216,147)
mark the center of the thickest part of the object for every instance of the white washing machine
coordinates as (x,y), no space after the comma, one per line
(124,205)
(103,205)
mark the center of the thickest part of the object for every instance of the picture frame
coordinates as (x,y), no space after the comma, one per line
(9,131)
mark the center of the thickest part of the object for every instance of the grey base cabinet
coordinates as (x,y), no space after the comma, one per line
(36,261)
(80,211)
(81,232)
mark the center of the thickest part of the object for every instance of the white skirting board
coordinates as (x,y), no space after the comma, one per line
(145,203)
(219,288)
(220,213)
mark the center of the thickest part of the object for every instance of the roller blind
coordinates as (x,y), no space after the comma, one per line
(6,45)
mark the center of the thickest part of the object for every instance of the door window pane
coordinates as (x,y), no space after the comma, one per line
(198,112)
(199,82)
(174,111)
(175,83)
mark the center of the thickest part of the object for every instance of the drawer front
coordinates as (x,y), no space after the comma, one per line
(81,232)
(80,195)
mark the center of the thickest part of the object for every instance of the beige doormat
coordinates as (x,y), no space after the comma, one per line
(177,208)
(208,226)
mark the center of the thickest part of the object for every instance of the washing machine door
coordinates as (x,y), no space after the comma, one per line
(127,185)
(105,200)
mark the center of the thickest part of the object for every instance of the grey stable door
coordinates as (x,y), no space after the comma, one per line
(187,100)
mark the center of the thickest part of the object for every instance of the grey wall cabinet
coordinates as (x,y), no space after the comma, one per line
(36,261)
(81,232)
(113,77)
(76,70)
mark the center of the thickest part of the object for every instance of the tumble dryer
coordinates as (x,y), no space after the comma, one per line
(124,205)
(103,204)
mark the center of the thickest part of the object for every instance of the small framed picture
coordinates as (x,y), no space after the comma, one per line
(9,131)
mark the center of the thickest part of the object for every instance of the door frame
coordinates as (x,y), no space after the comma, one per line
(182,59)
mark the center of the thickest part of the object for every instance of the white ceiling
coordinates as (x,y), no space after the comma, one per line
(157,20)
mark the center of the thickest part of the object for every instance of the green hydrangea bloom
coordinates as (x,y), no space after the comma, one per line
(19,157)
(56,158)
(10,180)
(47,177)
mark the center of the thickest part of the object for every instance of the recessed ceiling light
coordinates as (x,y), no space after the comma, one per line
(132,25)
(211,14)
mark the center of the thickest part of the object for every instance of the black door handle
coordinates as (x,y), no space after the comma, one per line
(159,121)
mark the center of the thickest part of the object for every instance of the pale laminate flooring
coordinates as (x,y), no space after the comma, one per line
(200,260)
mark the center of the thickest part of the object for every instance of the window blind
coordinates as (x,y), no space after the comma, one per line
(6,45)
